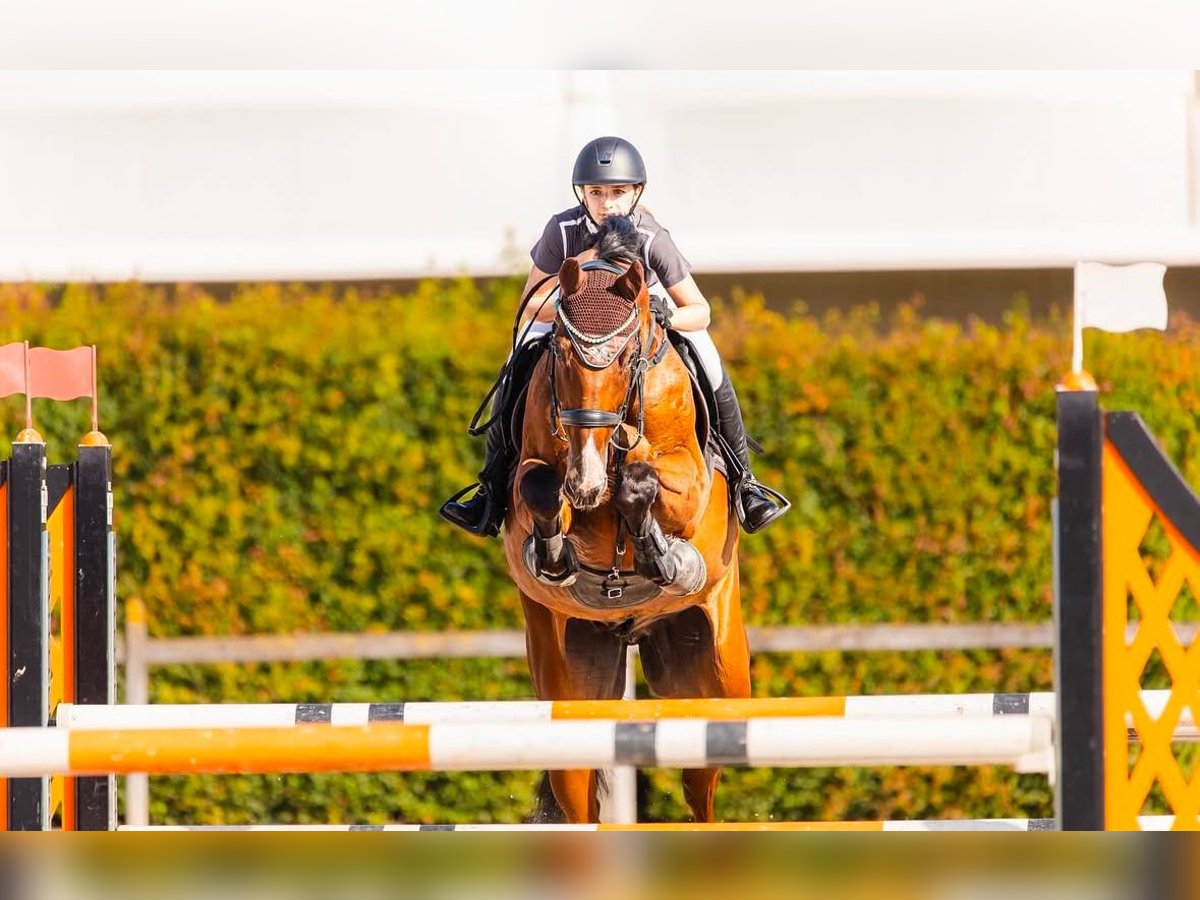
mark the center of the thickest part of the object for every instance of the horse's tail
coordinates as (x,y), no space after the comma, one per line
(546,810)
(618,240)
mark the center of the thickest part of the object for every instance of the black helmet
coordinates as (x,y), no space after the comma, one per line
(608,160)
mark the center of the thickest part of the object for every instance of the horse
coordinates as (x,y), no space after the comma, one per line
(619,529)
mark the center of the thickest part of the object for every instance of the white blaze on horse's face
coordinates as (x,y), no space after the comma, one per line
(587,469)
(586,480)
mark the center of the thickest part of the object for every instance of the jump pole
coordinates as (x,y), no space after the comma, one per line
(248,715)
(1147,823)
(1025,742)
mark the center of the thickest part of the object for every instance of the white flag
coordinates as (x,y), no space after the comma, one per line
(1120,298)
(1117,298)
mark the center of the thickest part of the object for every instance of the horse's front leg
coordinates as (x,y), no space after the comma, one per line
(670,562)
(548,554)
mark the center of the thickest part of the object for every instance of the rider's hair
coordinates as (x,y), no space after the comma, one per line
(618,240)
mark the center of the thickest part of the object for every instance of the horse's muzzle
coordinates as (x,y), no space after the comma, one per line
(586,481)
(585,498)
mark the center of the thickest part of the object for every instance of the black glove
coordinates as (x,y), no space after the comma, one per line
(661,310)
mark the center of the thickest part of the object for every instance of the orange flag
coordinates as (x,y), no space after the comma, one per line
(64,375)
(12,369)
(61,374)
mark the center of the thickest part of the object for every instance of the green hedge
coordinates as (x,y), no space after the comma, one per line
(279,457)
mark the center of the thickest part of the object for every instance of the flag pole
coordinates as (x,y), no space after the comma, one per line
(28,395)
(1076,327)
(95,394)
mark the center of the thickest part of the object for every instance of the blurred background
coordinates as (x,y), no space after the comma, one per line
(966,186)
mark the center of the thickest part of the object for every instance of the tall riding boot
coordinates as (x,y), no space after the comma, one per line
(757,506)
(484,512)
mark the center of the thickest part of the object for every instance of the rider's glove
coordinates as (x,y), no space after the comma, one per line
(661,310)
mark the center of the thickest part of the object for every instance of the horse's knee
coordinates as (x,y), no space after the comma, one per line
(541,490)
(637,492)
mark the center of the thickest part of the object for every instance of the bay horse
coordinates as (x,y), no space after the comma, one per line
(619,529)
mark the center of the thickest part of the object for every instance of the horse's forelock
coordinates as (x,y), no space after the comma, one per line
(618,240)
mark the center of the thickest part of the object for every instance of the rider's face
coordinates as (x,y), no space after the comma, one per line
(604,200)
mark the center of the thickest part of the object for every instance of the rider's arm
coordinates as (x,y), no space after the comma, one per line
(674,273)
(693,312)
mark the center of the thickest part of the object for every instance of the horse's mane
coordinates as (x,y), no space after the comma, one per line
(618,240)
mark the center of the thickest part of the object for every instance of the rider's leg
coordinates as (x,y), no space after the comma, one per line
(483,513)
(757,507)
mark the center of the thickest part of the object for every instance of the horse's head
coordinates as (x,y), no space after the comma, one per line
(602,334)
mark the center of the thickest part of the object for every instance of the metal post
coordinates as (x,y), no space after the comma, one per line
(24,633)
(94,572)
(137,690)
(619,806)
(1078,614)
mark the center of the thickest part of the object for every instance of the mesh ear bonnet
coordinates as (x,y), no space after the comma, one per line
(599,321)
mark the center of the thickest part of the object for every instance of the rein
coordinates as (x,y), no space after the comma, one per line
(474,429)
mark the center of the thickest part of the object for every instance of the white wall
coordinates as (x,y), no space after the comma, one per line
(214,175)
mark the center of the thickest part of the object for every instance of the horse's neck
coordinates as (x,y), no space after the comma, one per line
(670,410)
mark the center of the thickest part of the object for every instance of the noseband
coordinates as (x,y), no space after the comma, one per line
(595,353)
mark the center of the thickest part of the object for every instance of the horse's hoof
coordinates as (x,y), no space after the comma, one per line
(570,570)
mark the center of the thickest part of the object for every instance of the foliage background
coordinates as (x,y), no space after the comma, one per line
(279,457)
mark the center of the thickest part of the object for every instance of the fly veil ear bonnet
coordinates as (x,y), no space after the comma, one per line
(596,310)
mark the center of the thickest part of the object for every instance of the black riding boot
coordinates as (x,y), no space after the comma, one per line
(484,512)
(757,506)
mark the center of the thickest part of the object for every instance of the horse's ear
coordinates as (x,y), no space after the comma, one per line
(631,284)
(571,278)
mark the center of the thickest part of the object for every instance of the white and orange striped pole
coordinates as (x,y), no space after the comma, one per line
(1025,742)
(1147,823)
(245,715)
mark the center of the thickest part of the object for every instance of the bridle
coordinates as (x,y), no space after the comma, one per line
(561,419)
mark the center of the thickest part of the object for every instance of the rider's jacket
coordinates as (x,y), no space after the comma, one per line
(568,234)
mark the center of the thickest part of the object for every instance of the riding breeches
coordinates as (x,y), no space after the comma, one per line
(701,343)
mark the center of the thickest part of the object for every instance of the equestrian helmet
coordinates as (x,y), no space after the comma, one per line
(608,160)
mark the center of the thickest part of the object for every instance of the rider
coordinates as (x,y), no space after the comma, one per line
(608,180)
